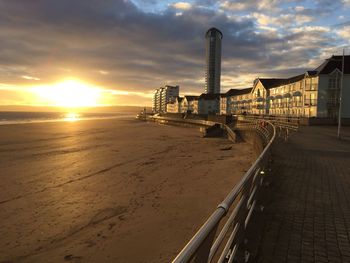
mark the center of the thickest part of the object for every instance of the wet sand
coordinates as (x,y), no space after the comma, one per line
(109,190)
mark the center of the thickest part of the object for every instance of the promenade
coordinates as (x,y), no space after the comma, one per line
(307,203)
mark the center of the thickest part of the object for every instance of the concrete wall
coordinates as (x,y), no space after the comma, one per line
(254,139)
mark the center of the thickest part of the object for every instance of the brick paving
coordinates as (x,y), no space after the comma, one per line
(307,204)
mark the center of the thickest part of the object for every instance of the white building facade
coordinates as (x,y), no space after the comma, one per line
(163,96)
(315,93)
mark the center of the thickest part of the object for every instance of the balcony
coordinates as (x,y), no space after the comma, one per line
(311,87)
(296,104)
(310,102)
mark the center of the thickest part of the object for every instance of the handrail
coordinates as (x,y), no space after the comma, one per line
(246,190)
(282,122)
(204,246)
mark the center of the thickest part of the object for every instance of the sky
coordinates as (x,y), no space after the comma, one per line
(116,52)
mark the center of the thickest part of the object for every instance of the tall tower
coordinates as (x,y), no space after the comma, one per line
(213,60)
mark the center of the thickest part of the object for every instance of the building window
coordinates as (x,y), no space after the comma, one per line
(333,93)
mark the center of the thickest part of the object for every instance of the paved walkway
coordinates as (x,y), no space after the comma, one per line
(307,213)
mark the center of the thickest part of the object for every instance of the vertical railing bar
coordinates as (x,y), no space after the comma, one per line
(249,214)
(233,254)
(228,244)
(251,196)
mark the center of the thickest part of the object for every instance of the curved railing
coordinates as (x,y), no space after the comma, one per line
(220,242)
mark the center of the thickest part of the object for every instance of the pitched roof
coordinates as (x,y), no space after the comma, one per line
(312,72)
(235,92)
(209,96)
(269,83)
(334,62)
(273,83)
(243,91)
(328,66)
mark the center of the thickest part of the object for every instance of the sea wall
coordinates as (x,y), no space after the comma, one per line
(247,134)
(224,119)
(253,137)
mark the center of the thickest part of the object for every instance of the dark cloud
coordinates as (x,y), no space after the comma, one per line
(140,51)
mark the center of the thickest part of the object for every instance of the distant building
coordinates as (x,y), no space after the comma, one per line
(190,104)
(314,93)
(178,103)
(171,107)
(236,101)
(163,96)
(241,101)
(209,103)
(213,39)
(156,101)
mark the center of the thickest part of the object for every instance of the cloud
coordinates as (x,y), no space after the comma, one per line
(120,46)
(29,77)
(344,33)
(182,5)
(103,72)
(240,5)
(283,21)
(299,8)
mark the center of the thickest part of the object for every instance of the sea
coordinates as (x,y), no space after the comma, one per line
(20,117)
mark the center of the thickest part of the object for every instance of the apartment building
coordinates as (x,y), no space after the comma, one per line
(314,93)
(163,96)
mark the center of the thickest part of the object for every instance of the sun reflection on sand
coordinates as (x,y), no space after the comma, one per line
(71,116)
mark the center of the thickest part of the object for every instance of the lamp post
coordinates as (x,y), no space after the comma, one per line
(340,94)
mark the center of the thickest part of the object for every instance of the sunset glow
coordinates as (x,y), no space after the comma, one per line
(69,93)
(71,117)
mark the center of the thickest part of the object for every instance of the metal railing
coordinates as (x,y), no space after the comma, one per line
(280,122)
(207,245)
(221,237)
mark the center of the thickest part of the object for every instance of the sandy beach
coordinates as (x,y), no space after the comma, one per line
(109,190)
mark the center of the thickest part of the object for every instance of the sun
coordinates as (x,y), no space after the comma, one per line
(69,93)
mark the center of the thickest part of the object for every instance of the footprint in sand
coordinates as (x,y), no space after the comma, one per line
(73,258)
(107,214)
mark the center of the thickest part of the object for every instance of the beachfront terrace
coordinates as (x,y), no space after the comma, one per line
(306,215)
